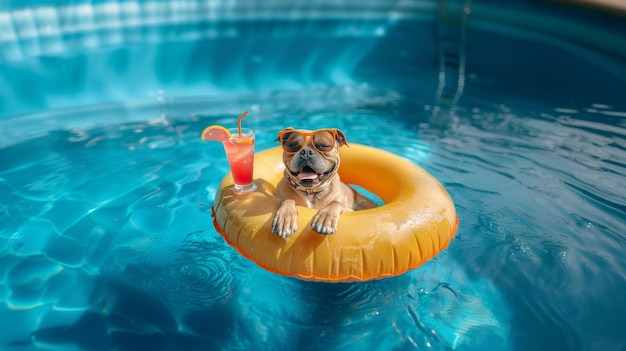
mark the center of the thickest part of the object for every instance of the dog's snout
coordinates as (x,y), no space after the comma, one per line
(307,153)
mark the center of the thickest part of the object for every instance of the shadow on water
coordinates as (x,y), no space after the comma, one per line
(334,311)
(127,317)
(178,301)
(132,320)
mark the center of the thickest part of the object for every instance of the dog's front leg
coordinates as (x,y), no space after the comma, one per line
(327,218)
(284,223)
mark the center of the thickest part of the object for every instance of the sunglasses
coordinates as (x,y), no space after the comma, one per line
(322,140)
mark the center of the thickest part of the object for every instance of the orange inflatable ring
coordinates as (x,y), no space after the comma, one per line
(417,221)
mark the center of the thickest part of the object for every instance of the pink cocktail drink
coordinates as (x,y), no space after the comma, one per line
(240,154)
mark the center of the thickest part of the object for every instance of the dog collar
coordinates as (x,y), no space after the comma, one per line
(310,189)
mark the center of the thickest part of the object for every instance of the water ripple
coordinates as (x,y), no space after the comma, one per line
(197,276)
(192,285)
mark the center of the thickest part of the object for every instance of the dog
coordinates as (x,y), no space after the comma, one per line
(310,179)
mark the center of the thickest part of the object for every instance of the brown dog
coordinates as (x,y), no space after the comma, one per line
(311,161)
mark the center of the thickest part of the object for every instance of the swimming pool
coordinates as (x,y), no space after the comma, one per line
(106,236)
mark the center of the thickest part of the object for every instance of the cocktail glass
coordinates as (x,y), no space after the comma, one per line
(240,154)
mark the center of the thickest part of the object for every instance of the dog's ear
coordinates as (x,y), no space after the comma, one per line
(288,128)
(341,138)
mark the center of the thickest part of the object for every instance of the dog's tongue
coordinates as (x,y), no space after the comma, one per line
(307,176)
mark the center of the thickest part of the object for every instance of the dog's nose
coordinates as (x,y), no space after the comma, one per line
(307,153)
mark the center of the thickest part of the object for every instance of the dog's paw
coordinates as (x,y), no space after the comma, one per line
(285,219)
(326,220)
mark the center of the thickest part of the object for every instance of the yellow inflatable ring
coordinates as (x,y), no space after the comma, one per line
(417,221)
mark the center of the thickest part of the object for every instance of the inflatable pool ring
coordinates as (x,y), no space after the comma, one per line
(417,221)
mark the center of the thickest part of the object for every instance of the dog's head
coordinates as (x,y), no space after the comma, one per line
(311,157)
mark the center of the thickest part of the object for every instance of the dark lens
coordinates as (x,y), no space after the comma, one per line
(292,141)
(324,140)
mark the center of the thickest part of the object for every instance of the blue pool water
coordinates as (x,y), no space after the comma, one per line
(106,235)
